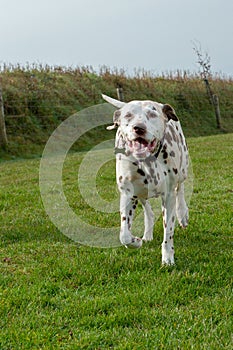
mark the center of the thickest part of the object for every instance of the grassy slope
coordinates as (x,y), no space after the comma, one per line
(43,97)
(58,295)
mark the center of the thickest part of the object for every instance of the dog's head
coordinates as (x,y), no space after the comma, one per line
(141,125)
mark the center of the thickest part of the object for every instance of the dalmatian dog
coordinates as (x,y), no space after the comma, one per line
(151,161)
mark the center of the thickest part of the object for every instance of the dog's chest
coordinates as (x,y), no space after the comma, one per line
(145,178)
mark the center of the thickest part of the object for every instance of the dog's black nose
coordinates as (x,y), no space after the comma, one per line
(140,129)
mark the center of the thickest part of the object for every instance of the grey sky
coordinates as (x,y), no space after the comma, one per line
(155,35)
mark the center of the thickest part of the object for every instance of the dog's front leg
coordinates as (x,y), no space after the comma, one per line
(149,221)
(127,208)
(169,214)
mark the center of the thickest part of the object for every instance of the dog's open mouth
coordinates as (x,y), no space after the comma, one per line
(141,147)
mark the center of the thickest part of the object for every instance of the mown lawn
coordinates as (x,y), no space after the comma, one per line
(57,294)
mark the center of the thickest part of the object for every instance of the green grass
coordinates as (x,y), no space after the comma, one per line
(56,294)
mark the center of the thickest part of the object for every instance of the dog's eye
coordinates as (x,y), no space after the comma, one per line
(129,116)
(152,114)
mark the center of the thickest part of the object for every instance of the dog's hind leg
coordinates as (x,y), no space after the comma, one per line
(182,212)
(169,212)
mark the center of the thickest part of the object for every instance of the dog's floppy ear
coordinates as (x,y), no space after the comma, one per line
(116,116)
(169,112)
(116,121)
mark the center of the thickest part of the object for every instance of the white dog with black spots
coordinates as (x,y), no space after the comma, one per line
(151,161)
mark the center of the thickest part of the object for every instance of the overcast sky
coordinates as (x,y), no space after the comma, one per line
(155,35)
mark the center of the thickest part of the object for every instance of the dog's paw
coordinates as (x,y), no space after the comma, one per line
(147,237)
(168,262)
(167,254)
(135,243)
(184,221)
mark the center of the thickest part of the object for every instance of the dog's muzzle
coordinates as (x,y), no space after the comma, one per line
(140,147)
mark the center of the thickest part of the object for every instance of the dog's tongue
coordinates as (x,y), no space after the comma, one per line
(139,145)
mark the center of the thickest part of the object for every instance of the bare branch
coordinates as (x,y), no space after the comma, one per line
(203,60)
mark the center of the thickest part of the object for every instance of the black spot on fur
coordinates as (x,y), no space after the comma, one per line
(168,138)
(152,171)
(145,181)
(181,139)
(141,172)
(175,170)
(174,135)
(172,154)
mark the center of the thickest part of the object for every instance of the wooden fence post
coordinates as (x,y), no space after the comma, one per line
(120,94)
(214,101)
(3,136)
(217,111)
